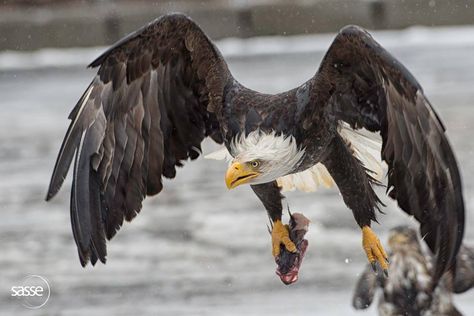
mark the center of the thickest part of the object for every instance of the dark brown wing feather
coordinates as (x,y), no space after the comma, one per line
(360,83)
(464,272)
(156,96)
(364,291)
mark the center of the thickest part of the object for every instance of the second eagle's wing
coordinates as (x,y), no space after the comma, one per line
(153,100)
(361,84)
(464,272)
(364,291)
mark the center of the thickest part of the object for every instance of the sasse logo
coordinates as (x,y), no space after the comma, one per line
(32,293)
(27,291)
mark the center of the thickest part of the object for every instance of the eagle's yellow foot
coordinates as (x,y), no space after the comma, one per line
(281,235)
(374,250)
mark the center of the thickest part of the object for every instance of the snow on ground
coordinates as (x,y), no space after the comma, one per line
(198,249)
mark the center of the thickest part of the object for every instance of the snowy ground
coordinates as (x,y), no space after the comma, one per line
(198,249)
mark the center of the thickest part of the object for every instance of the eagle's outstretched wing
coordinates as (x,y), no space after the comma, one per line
(152,102)
(360,83)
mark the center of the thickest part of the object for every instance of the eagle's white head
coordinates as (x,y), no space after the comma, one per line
(261,157)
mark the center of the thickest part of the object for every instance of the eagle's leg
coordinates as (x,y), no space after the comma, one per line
(374,250)
(280,235)
(269,194)
(356,189)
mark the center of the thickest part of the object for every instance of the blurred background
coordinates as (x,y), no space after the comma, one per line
(198,249)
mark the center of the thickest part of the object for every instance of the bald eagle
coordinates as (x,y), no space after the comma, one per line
(409,289)
(160,91)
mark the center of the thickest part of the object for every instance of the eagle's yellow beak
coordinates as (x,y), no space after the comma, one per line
(238,174)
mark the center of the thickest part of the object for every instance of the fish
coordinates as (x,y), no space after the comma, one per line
(289,263)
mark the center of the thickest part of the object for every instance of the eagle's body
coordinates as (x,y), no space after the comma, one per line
(409,290)
(281,115)
(162,90)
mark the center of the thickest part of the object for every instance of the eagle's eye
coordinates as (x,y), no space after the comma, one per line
(255,163)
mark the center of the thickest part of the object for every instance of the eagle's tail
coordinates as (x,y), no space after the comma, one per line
(366,147)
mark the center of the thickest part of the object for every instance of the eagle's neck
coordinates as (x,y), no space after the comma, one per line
(281,152)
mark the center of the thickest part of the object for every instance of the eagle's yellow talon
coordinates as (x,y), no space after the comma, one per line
(280,235)
(373,248)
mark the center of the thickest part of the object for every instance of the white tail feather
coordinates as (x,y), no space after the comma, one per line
(366,146)
(307,181)
(220,154)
